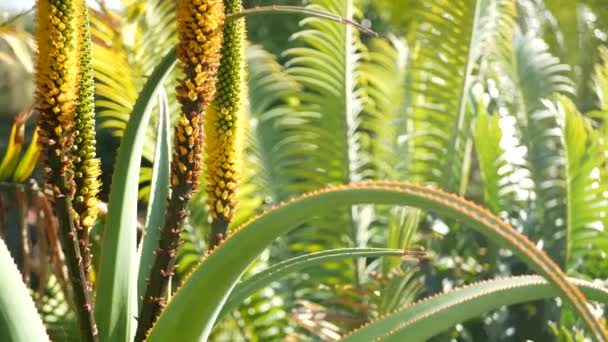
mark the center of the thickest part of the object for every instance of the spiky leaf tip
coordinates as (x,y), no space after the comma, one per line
(57,28)
(226,120)
(199,25)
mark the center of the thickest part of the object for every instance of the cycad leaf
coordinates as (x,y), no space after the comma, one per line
(327,67)
(446,49)
(327,128)
(601,79)
(492,161)
(538,76)
(270,89)
(586,203)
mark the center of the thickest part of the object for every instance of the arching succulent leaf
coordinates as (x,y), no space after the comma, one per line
(213,282)
(427,318)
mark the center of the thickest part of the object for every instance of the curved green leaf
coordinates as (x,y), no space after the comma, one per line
(585,201)
(428,317)
(15,145)
(19,319)
(279,270)
(116,302)
(27,164)
(492,161)
(209,286)
(159,192)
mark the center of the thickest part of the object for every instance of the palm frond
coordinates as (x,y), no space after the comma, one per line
(493,164)
(270,92)
(326,127)
(600,80)
(327,66)
(445,51)
(586,186)
(382,73)
(115,80)
(538,75)
(126,50)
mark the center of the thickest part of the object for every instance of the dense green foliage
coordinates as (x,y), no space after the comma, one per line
(503,103)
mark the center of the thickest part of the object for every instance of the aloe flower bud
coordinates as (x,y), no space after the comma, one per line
(225,126)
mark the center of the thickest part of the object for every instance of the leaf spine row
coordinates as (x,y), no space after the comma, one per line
(477,213)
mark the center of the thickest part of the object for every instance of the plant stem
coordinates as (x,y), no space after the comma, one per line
(276,9)
(198,51)
(25,236)
(77,274)
(164,263)
(219,228)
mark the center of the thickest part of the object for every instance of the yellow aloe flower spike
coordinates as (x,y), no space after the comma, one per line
(86,164)
(225,126)
(199,27)
(58,33)
(57,85)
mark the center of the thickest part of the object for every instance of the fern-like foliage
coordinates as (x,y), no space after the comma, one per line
(600,80)
(525,162)
(538,75)
(445,51)
(335,106)
(492,158)
(126,49)
(328,150)
(586,186)
(383,73)
(327,65)
(271,91)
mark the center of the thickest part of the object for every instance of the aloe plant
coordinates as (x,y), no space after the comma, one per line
(349,159)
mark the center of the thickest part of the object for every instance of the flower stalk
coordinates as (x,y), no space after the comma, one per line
(225,127)
(58,33)
(199,25)
(86,166)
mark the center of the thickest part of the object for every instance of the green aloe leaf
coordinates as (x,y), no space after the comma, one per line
(27,164)
(19,319)
(116,301)
(15,145)
(279,270)
(159,192)
(428,317)
(207,289)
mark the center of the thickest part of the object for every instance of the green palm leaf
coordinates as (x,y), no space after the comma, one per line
(499,191)
(586,203)
(601,78)
(446,49)
(539,75)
